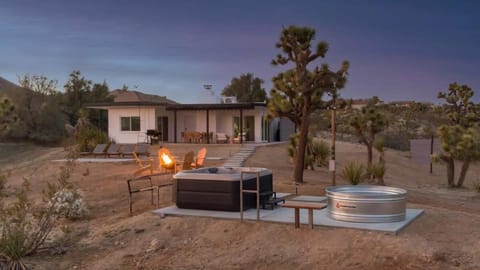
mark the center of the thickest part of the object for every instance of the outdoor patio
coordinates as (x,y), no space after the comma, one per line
(286,215)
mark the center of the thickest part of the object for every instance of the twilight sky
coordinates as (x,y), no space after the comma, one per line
(398,50)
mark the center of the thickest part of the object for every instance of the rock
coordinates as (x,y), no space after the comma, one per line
(139,230)
(154,246)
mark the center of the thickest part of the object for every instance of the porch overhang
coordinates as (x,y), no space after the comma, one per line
(212,107)
(215,106)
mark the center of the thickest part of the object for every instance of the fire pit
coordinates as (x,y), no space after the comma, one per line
(366,203)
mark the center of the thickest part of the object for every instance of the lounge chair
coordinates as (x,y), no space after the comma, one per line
(99,150)
(127,149)
(202,153)
(142,149)
(113,150)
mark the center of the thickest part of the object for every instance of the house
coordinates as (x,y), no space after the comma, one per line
(133,114)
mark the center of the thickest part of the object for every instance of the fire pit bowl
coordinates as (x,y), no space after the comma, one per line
(372,204)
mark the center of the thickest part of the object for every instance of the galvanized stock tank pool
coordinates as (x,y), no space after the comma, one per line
(372,204)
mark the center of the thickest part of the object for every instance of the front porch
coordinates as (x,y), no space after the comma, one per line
(203,123)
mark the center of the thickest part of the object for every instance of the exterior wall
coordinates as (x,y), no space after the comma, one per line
(147,121)
(287,128)
(220,121)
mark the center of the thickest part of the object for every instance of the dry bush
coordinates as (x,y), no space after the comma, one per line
(25,225)
(354,172)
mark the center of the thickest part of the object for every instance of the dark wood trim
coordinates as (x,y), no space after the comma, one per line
(230,106)
(208,126)
(175,126)
(241,126)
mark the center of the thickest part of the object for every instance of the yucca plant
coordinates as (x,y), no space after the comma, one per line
(354,172)
(321,152)
(309,160)
(377,172)
(379,145)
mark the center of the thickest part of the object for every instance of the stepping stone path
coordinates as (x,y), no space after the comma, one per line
(239,158)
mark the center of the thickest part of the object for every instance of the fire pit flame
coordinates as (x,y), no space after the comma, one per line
(167,161)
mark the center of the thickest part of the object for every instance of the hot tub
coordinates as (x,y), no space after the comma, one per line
(366,203)
(218,188)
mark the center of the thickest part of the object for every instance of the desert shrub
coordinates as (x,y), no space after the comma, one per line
(69,203)
(89,137)
(25,225)
(476,186)
(377,172)
(316,152)
(2,184)
(321,152)
(354,172)
(292,150)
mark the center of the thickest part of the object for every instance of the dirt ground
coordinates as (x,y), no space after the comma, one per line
(446,236)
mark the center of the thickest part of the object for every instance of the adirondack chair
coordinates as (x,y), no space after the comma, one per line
(202,153)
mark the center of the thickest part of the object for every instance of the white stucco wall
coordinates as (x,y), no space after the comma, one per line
(219,121)
(147,121)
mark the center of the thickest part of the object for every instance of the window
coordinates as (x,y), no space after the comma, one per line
(131,123)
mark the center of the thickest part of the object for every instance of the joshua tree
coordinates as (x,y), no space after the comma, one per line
(460,139)
(367,124)
(298,92)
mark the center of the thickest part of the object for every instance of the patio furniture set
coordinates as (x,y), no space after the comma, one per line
(117,150)
(165,165)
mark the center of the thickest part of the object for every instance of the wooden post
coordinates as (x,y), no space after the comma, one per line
(241,197)
(241,126)
(431,153)
(208,124)
(332,165)
(175,126)
(258,196)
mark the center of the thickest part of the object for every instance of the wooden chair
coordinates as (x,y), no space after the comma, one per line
(142,149)
(141,163)
(202,153)
(188,160)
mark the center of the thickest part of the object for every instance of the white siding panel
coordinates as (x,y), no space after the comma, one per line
(147,121)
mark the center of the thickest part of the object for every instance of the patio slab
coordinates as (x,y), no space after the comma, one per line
(286,215)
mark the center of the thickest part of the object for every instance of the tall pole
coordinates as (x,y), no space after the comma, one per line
(332,161)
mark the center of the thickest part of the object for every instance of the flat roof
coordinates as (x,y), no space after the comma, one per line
(214,106)
(106,105)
